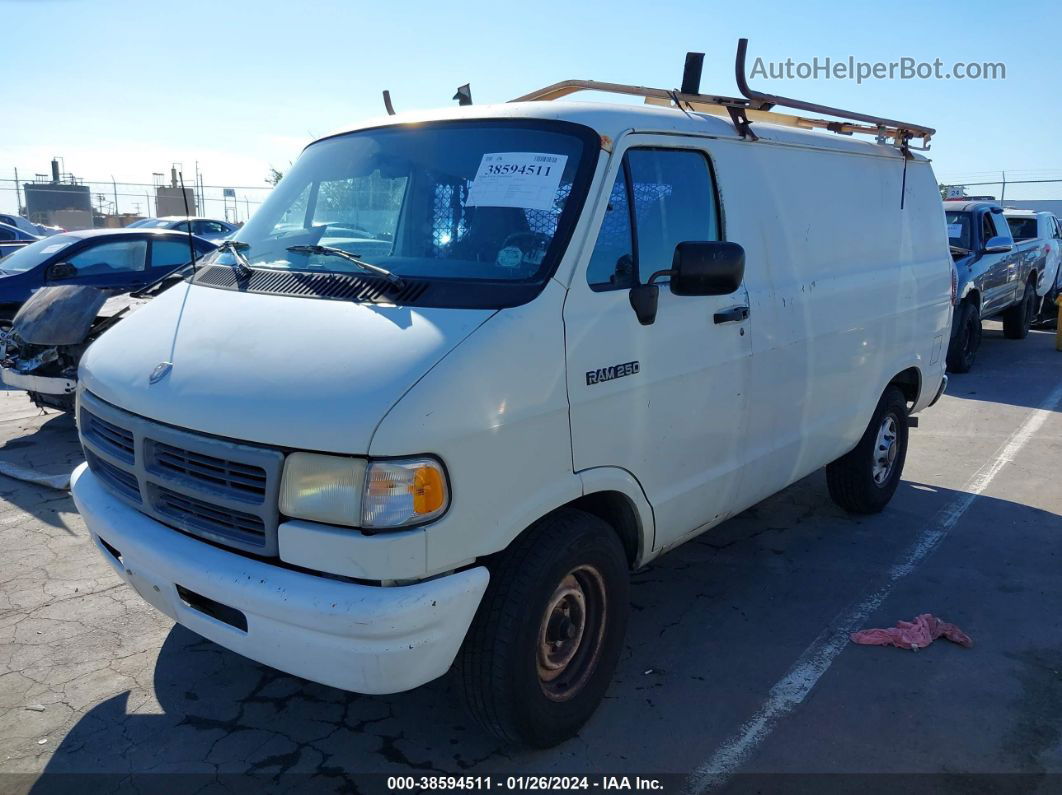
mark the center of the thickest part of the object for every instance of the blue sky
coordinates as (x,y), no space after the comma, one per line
(123,89)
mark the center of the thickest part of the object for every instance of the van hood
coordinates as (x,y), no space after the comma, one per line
(304,373)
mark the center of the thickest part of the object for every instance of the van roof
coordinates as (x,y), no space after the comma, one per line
(614,119)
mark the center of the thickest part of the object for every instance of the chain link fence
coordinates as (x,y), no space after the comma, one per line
(115,203)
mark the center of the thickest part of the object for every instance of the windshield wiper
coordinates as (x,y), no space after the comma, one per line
(234,247)
(365,266)
(959,250)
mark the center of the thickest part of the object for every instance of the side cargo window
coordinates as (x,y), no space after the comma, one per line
(672,195)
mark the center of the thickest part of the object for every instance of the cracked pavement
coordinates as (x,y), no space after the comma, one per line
(93,680)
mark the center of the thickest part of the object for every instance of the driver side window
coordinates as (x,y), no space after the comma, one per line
(673,198)
(118,256)
(611,265)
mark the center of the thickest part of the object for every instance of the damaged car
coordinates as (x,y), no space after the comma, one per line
(113,259)
(52,330)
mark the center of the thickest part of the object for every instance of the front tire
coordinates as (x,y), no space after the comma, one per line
(864,480)
(546,639)
(963,348)
(1018,319)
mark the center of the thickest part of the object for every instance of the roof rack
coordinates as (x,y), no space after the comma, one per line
(752,106)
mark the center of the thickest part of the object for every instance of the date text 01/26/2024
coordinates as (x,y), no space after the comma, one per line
(523,783)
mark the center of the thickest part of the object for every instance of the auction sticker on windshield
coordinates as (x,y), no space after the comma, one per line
(528,180)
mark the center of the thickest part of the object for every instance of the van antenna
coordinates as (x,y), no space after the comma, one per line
(188,215)
(387,103)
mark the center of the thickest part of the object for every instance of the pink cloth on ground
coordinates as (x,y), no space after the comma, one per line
(916,634)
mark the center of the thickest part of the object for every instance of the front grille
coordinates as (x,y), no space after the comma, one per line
(216,488)
(192,514)
(118,479)
(118,441)
(212,471)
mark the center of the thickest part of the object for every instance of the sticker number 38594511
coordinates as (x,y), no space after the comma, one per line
(528,180)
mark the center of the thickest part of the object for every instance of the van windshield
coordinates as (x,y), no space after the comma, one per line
(484,201)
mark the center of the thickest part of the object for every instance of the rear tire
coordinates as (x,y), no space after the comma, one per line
(864,480)
(1018,319)
(963,348)
(546,639)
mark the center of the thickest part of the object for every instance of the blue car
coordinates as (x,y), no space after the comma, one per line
(118,259)
(12,238)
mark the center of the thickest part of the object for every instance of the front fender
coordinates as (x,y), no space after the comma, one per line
(495,411)
(599,479)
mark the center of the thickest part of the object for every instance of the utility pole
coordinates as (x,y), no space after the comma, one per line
(1003,193)
(18,195)
(115,186)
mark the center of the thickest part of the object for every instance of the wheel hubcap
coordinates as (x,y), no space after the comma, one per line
(886,449)
(570,633)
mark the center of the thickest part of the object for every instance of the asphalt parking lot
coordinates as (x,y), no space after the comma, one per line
(736,661)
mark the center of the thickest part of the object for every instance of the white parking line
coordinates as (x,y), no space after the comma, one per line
(794,687)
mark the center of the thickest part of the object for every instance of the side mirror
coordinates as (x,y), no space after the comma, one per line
(998,245)
(698,267)
(60,270)
(713,267)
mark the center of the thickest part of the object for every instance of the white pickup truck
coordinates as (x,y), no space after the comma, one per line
(1038,237)
(465,369)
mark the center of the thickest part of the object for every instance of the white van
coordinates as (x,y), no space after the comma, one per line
(465,370)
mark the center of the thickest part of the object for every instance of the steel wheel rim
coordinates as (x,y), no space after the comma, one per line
(886,450)
(571,632)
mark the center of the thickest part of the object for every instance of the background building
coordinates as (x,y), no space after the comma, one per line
(170,199)
(61,201)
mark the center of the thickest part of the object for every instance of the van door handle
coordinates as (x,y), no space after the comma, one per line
(734,314)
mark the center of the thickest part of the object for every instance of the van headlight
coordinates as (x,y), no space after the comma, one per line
(363,493)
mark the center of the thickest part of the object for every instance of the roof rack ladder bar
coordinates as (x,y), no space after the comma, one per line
(758,96)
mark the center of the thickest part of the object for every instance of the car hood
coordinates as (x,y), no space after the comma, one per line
(305,373)
(59,315)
